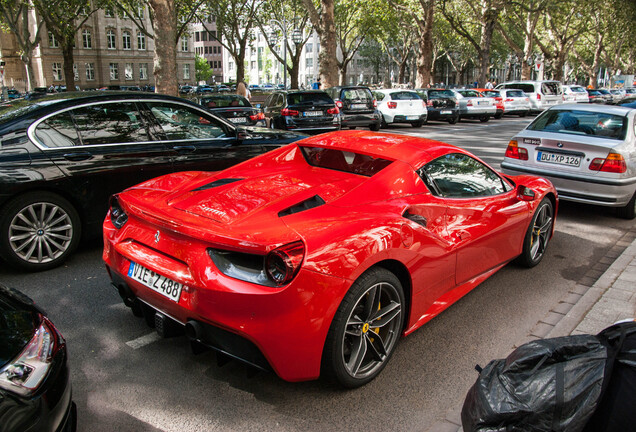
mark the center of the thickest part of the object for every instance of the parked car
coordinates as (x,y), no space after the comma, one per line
(233,107)
(401,106)
(35,385)
(515,102)
(496,95)
(13,94)
(203,89)
(616,94)
(301,110)
(609,99)
(354,250)
(63,155)
(596,97)
(587,151)
(186,89)
(575,94)
(357,107)
(542,94)
(474,105)
(441,104)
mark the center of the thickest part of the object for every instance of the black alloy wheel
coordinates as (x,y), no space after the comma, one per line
(365,329)
(538,235)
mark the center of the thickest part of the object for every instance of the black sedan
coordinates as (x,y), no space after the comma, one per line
(35,387)
(441,104)
(309,111)
(233,107)
(64,155)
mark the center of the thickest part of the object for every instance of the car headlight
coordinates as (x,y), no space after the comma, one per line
(277,268)
(117,214)
(24,374)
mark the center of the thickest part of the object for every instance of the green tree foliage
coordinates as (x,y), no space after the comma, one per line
(202,69)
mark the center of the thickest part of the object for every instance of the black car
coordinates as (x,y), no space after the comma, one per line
(35,386)
(596,96)
(63,156)
(357,107)
(233,107)
(301,110)
(441,104)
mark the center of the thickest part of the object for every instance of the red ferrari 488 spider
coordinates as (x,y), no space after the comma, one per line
(318,256)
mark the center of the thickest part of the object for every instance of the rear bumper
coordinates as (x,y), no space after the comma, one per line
(442,114)
(364,120)
(403,118)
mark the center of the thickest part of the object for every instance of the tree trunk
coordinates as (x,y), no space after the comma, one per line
(67,55)
(425,43)
(28,67)
(402,72)
(487,29)
(293,74)
(559,63)
(327,56)
(165,60)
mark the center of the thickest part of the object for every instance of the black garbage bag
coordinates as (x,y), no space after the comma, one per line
(560,384)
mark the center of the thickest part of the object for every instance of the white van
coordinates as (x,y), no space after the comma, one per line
(542,94)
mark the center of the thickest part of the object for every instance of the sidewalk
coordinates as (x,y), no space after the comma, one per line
(604,295)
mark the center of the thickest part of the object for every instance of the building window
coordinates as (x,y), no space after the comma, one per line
(230,66)
(141,41)
(128,71)
(111,39)
(204,36)
(90,71)
(309,62)
(87,40)
(140,12)
(114,71)
(186,71)
(143,71)
(57,71)
(126,40)
(184,43)
(308,48)
(53,43)
(75,72)
(197,36)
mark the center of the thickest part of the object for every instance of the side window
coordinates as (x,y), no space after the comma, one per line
(58,131)
(110,124)
(460,176)
(268,101)
(279,100)
(181,122)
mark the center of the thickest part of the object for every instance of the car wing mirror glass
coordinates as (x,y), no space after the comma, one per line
(524,193)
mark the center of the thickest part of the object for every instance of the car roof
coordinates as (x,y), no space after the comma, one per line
(607,109)
(415,151)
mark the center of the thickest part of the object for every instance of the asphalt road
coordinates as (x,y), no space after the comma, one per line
(127,379)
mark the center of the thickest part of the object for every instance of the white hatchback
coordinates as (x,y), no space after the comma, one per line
(401,106)
(575,94)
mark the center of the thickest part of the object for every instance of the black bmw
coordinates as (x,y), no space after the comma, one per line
(64,155)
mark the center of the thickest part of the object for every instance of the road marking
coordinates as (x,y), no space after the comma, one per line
(143,340)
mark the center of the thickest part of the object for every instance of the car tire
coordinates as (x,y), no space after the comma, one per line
(352,127)
(498,116)
(38,231)
(417,124)
(383,123)
(629,211)
(523,114)
(538,234)
(365,330)
(374,127)
(453,120)
(484,119)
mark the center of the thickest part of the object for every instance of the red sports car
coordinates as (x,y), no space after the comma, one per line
(318,256)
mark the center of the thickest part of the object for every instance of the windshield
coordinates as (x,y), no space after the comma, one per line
(573,122)
(404,95)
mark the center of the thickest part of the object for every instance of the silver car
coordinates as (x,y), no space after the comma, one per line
(473,104)
(515,102)
(587,151)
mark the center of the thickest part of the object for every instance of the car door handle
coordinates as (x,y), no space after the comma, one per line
(184,149)
(76,157)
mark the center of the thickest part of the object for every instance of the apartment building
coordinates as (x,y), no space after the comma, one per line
(206,45)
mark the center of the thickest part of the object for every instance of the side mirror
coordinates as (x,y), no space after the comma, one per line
(525,193)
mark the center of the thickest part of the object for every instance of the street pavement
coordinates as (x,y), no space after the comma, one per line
(604,295)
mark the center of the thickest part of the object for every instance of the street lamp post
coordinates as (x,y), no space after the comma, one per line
(297,37)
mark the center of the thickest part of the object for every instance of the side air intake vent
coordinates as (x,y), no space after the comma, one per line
(310,203)
(215,183)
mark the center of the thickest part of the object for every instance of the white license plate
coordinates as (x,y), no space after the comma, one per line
(559,159)
(482,103)
(358,106)
(312,113)
(413,117)
(446,112)
(238,119)
(156,282)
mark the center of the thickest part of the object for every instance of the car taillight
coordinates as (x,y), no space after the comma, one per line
(289,112)
(613,163)
(339,104)
(283,263)
(333,110)
(429,103)
(424,103)
(375,103)
(509,100)
(515,152)
(118,216)
(391,105)
(259,116)
(25,374)
(527,99)
(538,96)
(469,103)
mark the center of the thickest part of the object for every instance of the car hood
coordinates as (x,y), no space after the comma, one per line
(18,322)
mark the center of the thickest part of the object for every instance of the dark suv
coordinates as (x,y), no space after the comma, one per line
(301,110)
(357,107)
(441,104)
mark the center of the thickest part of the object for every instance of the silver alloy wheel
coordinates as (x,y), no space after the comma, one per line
(372,330)
(541,232)
(40,232)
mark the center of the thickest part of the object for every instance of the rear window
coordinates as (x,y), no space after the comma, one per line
(527,88)
(491,93)
(308,99)
(225,101)
(550,88)
(577,89)
(469,93)
(357,95)
(573,122)
(515,93)
(340,160)
(440,94)
(404,95)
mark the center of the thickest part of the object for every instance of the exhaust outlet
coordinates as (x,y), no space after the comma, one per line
(193,330)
